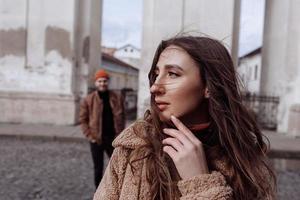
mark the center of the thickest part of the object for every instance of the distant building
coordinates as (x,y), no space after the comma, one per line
(249,70)
(108,50)
(124,79)
(123,75)
(129,54)
(262,106)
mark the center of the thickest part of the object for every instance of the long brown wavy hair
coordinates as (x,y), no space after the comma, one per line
(240,141)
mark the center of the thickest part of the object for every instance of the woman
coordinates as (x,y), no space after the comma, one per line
(197,141)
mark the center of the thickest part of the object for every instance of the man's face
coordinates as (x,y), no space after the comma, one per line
(102,84)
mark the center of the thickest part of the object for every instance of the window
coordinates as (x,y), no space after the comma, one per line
(255,72)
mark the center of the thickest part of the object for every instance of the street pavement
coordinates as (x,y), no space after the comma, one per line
(54,162)
(282,146)
(39,169)
(43,169)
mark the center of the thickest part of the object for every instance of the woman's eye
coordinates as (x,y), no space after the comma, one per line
(172,74)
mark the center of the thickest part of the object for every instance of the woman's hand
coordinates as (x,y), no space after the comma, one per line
(185,150)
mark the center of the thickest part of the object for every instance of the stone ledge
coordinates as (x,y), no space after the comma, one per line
(284,154)
(39,108)
(38,96)
(46,138)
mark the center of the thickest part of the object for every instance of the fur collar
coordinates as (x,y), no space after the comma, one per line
(129,139)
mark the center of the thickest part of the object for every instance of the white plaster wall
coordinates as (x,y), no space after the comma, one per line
(281,53)
(213,17)
(52,78)
(12,16)
(39,71)
(166,18)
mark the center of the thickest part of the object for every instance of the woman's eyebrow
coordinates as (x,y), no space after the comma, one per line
(173,66)
(170,66)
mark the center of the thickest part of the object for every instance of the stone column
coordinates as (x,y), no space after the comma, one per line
(281,61)
(166,18)
(87,42)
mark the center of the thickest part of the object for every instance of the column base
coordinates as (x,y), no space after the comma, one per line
(294,120)
(38,108)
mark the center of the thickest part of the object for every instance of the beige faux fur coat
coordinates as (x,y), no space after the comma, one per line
(119,183)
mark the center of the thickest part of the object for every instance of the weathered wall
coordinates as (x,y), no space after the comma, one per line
(46,57)
(166,18)
(36,45)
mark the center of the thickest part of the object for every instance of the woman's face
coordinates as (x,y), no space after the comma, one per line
(178,89)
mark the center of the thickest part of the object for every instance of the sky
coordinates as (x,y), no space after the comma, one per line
(251,25)
(122,24)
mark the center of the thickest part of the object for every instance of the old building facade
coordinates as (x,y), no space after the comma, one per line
(249,70)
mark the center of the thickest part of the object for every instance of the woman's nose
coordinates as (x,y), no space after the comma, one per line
(157,89)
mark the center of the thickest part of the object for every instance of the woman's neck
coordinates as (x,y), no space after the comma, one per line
(198,116)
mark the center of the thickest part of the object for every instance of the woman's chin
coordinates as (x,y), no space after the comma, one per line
(163,119)
(166,116)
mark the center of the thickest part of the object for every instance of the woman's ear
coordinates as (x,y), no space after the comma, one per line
(206,93)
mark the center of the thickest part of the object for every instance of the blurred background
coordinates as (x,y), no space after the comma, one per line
(50,50)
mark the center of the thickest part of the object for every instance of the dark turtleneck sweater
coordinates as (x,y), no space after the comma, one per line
(108,131)
(210,140)
(205,134)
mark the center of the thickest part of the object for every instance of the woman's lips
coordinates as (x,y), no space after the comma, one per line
(162,106)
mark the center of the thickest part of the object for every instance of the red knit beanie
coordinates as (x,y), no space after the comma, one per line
(101,74)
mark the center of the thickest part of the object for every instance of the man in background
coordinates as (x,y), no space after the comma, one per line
(101,119)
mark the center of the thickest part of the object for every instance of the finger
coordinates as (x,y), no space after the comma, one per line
(178,135)
(181,127)
(179,124)
(171,152)
(174,143)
